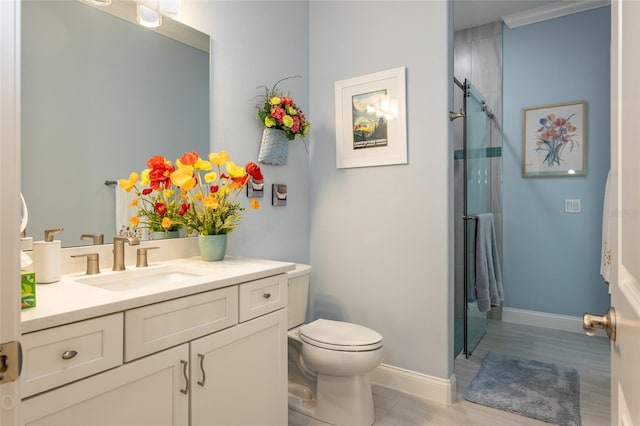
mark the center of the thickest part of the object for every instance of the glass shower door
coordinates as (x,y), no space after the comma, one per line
(477,181)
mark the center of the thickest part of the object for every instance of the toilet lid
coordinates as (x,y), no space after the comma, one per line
(339,335)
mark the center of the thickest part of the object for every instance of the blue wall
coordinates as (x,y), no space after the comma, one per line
(552,258)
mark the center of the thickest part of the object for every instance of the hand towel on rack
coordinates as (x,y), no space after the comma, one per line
(488,276)
(605,264)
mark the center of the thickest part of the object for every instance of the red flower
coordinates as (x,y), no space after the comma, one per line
(254,170)
(189,158)
(277,113)
(160,172)
(147,191)
(160,208)
(287,101)
(156,161)
(184,208)
(214,189)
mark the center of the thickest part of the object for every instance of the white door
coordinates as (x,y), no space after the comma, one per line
(625,156)
(9,197)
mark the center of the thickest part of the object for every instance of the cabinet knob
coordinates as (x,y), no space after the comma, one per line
(69,354)
(266,295)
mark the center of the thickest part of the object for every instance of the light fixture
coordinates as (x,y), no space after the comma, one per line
(148,17)
(101,2)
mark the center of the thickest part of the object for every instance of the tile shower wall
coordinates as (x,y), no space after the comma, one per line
(478,58)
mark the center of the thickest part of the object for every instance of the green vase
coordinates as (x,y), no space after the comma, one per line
(162,235)
(212,247)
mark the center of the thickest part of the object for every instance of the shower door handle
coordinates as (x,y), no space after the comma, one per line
(606,322)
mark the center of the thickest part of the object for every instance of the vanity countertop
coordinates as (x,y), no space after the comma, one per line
(69,301)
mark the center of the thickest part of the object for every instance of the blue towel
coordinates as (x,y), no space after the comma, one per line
(488,277)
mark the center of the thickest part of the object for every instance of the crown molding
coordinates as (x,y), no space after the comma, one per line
(554,10)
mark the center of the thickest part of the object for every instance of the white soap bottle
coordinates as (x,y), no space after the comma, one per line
(46,258)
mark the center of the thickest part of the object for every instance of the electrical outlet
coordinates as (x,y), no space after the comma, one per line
(572,206)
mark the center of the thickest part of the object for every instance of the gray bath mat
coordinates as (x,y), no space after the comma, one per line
(530,388)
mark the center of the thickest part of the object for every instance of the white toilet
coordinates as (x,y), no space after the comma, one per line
(329,362)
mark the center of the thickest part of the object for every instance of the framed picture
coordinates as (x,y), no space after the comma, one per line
(554,140)
(371,125)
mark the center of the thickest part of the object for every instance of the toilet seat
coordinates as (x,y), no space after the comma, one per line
(340,336)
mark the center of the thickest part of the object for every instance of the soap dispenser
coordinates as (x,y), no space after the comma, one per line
(46,258)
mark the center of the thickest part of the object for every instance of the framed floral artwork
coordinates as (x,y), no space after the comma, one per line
(554,140)
(371,128)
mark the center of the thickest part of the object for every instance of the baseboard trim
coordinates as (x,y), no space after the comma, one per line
(414,383)
(542,319)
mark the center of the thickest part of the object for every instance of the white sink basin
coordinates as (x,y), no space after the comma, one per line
(142,278)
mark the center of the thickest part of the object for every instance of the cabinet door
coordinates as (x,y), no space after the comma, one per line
(239,375)
(145,392)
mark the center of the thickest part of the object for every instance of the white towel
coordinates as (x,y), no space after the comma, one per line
(124,212)
(488,276)
(607,215)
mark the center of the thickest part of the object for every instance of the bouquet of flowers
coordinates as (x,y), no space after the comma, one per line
(278,111)
(156,201)
(209,192)
(201,195)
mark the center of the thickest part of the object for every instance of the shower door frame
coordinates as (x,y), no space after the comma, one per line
(468,91)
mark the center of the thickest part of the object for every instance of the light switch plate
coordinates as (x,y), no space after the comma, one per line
(572,206)
(279,194)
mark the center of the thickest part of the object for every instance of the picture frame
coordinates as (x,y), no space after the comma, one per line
(371,124)
(554,140)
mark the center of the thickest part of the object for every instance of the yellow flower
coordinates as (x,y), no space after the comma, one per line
(183,177)
(235,171)
(287,120)
(198,196)
(210,177)
(127,184)
(269,121)
(135,221)
(255,204)
(219,158)
(202,164)
(210,202)
(134,202)
(144,177)
(274,100)
(169,193)
(166,223)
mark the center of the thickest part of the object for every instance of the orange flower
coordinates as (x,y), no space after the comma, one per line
(210,202)
(166,223)
(135,221)
(255,204)
(189,158)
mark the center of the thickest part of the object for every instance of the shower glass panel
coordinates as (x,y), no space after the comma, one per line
(477,181)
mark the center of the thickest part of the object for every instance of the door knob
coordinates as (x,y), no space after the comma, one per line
(606,322)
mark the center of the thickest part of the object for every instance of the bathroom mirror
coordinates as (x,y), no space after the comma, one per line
(100,95)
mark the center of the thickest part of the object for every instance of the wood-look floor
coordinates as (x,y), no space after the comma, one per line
(589,355)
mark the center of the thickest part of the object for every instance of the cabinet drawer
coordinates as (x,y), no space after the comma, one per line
(70,352)
(262,296)
(155,327)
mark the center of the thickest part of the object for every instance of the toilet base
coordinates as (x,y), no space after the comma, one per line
(331,406)
(345,400)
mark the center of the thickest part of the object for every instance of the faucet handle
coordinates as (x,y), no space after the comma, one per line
(141,258)
(97,238)
(93,262)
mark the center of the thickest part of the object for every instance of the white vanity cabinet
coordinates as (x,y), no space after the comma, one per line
(152,391)
(212,358)
(239,374)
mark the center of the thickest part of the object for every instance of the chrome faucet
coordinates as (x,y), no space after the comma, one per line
(118,251)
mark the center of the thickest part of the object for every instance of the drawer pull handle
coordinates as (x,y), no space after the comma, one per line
(69,354)
(186,378)
(266,295)
(204,375)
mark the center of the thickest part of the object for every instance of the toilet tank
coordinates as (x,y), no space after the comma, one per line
(298,295)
